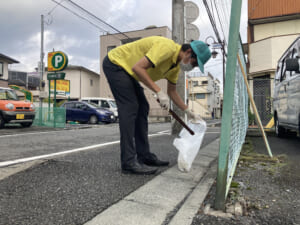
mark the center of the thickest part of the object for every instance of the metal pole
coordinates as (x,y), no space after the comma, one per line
(41,68)
(223,51)
(54,104)
(178,37)
(255,109)
(221,190)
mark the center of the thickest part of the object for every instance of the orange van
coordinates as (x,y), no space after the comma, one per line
(12,110)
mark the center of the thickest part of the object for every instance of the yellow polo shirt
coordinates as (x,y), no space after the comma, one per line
(161,51)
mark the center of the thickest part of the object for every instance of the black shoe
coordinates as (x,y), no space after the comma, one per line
(152,160)
(139,168)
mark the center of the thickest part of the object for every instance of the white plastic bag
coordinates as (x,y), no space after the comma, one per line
(188,145)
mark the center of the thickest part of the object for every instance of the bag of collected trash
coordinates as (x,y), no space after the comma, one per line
(188,145)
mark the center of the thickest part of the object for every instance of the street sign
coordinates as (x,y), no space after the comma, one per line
(57,61)
(192,32)
(216,45)
(191,11)
(56,76)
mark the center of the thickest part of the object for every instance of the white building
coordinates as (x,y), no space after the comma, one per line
(82,83)
(204,96)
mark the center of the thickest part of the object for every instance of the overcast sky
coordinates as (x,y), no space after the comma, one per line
(20,23)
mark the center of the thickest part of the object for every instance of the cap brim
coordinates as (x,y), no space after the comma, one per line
(200,65)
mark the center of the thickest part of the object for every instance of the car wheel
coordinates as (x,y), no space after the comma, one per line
(2,122)
(280,131)
(93,119)
(26,124)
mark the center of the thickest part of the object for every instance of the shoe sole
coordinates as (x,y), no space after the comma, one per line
(139,173)
(149,164)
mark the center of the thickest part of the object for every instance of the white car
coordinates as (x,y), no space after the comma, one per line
(286,101)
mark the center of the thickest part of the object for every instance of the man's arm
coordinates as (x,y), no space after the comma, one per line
(140,69)
(175,96)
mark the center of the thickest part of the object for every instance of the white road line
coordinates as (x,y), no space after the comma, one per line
(45,132)
(16,161)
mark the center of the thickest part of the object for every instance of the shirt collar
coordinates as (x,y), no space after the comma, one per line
(175,57)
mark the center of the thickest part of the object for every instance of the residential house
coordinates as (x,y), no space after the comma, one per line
(4,62)
(204,96)
(79,82)
(272,26)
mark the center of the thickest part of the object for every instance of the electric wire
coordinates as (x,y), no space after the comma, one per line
(106,14)
(97,18)
(224,35)
(76,14)
(92,23)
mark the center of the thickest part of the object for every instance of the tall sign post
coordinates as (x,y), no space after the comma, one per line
(57,61)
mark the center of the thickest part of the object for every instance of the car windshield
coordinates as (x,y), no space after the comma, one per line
(112,104)
(6,94)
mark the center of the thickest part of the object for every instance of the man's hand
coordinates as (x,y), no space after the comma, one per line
(163,100)
(194,116)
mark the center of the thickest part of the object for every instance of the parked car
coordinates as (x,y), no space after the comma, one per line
(286,101)
(87,113)
(12,110)
(107,103)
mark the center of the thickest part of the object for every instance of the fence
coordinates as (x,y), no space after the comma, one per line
(235,110)
(50,117)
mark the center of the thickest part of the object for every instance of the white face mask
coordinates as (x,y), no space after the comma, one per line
(186,67)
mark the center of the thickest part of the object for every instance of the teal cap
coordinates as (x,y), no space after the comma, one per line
(202,51)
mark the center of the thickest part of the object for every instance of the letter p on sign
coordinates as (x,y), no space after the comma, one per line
(57,61)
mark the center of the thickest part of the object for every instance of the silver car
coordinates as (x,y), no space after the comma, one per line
(286,101)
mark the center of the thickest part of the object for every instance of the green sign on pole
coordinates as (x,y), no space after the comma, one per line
(56,76)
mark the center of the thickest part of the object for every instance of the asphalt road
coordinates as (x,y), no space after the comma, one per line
(72,188)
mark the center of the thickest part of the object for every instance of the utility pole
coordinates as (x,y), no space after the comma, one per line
(41,68)
(178,37)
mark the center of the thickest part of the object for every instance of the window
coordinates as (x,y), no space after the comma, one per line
(91,82)
(195,83)
(110,47)
(1,68)
(294,56)
(104,104)
(70,105)
(200,96)
(283,72)
(80,106)
(205,82)
(95,102)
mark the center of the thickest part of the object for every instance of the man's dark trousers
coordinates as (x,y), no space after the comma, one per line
(133,110)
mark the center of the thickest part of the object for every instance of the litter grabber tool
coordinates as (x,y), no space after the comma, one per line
(176,117)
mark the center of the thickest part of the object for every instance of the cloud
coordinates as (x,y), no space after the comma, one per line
(20,25)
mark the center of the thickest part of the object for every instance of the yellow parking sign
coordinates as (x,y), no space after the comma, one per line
(57,61)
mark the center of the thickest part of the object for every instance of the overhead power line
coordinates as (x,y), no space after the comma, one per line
(92,17)
(214,26)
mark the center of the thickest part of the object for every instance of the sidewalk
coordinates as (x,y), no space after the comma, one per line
(171,198)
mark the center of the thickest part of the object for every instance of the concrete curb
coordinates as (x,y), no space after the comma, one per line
(171,198)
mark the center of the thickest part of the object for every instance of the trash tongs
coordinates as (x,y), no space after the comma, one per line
(176,117)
